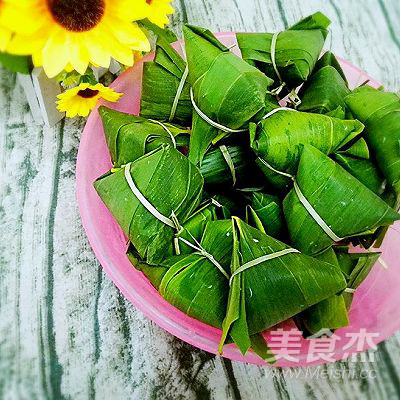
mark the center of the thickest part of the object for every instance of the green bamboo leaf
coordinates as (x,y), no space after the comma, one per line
(193,230)
(297,49)
(232,203)
(154,273)
(339,112)
(380,112)
(330,313)
(194,284)
(260,347)
(358,149)
(129,137)
(236,310)
(324,91)
(278,140)
(253,219)
(345,262)
(356,160)
(165,33)
(243,171)
(273,290)
(329,59)
(160,83)
(233,101)
(346,206)
(194,227)
(357,266)
(314,21)
(169,182)
(268,212)
(364,170)
(390,197)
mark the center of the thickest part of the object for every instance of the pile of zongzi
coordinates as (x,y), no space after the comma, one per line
(240,211)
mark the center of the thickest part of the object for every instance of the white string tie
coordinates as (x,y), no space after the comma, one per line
(260,260)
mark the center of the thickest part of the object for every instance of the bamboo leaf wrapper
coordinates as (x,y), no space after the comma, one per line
(268,209)
(129,137)
(380,112)
(324,91)
(272,290)
(278,139)
(161,80)
(169,182)
(230,165)
(194,284)
(297,50)
(346,206)
(241,96)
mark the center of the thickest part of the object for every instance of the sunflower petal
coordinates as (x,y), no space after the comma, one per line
(78,53)
(37,59)
(5,36)
(99,53)
(127,32)
(120,52)
(110,95)
(20,19)
(159,9)
(129,10)
(25,45)
(55,53)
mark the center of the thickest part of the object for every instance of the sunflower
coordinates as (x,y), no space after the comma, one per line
(79,32)
(158,11)
(10,12)
(81,99)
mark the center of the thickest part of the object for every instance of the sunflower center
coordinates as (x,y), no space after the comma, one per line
(77,15)
(149,1)
(88,93)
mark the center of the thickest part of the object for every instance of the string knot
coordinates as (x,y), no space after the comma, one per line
(278,89)
(179,228)
(166,130)
(293,97)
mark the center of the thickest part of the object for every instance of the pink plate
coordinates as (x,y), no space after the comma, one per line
(375,307)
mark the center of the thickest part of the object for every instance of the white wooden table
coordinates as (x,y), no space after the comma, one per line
(65,330)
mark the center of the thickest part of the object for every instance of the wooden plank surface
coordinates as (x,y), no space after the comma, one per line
(65,330)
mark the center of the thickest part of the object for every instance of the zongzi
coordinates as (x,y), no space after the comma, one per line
(330,313)
(288,57)
(380,112)
(198,283)
(278,139)
(151,198)
(271,282)
(129,137)
(165,90)
(327,204)
(324,91)
(222,106)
